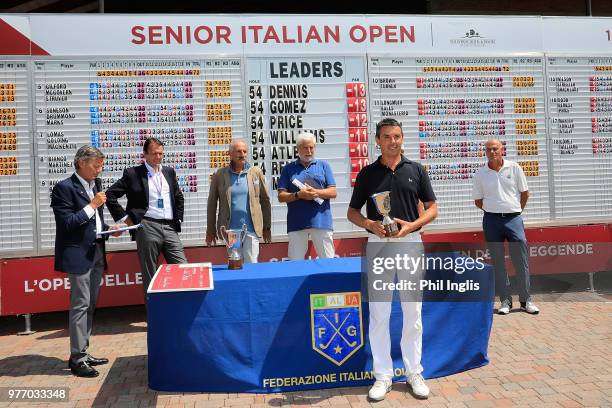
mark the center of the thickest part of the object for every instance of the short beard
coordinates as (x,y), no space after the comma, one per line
(307,160)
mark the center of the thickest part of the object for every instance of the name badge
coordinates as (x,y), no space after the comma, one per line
(160,203)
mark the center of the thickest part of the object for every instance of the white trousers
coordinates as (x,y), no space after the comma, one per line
(322,239)
(250,248)
(412,330)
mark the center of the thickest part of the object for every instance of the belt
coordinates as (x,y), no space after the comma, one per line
(159,221)
(514,214)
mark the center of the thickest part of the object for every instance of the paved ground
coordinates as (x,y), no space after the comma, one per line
(560,358)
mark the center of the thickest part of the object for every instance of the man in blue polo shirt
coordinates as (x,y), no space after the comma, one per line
(307,185)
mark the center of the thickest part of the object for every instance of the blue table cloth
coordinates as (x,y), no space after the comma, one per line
(254,331)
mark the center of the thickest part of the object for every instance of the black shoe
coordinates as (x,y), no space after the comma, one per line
(82,369)
(92,361)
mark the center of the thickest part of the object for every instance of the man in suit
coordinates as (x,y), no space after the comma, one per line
(77,204)
(154,200)
(239,191)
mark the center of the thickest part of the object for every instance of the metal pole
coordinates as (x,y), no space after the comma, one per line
(28,326)
(591,282)
(101,6)
(589,9)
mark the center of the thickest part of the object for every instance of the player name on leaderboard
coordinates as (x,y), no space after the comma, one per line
(450,106)
(16,195)
(580,123)
(193,106)
(324,96)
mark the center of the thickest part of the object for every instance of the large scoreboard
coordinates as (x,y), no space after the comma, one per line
(199,82)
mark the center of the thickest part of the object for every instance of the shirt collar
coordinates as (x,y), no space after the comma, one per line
(505,165)
(150,169)
(299,162)
(247,166)
(403,160)
(86,184)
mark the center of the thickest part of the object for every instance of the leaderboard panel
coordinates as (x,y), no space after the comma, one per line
(580,126)
(449,106)
(326,96)
(16,193)
(193,106)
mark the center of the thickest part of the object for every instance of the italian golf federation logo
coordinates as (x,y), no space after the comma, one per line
(337,330)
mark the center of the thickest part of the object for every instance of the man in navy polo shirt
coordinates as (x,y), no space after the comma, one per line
(409,185)
(308,207)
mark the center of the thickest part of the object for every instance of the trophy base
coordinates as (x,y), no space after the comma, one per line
(391,230)
(234,264)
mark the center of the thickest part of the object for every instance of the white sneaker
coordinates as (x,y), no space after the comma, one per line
(379,390)
(417,387)
(505,307)
(530,308)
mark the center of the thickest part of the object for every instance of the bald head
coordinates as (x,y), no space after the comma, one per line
(237,144)
(494,149)
(492,142)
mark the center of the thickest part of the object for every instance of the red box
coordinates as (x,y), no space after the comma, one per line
(354,89)
(357,150)
(357,119)
(357,105)
(359,134)
(359,163)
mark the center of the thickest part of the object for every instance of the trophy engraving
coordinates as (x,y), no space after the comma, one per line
(382,201)
(233,239)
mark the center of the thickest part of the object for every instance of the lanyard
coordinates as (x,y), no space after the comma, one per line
(158,177)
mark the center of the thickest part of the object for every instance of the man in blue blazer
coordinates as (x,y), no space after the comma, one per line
(77,204)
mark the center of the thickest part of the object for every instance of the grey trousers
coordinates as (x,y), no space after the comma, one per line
(151,240)
(84,289)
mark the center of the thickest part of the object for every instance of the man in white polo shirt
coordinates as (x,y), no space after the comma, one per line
(500,190)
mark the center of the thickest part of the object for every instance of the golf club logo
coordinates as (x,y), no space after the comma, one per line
(337,330)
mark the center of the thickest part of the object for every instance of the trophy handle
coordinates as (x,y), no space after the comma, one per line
(223,234)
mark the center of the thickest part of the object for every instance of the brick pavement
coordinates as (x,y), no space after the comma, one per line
(560,358)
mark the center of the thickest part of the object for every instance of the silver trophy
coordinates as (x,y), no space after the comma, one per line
(382,201)
(233,239)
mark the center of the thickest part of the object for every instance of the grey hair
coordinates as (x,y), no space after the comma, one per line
(86,153)
(234,142)
(305,136)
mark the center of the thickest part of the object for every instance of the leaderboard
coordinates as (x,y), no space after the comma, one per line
(326,96)
(580,125)
(16,194)
(449,107)
(193,106)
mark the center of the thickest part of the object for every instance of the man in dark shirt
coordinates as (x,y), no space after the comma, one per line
(408,184)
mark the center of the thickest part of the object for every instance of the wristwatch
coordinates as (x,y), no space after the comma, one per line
(296,195)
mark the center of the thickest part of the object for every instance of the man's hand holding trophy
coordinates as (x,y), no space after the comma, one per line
(382,202)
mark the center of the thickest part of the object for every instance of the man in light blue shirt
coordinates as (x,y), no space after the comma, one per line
(307,185)
(240,195)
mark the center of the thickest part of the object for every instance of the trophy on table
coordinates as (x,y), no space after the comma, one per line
(233,239)
(382,201)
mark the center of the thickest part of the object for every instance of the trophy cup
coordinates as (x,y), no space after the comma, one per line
(382,201)
(233,239)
